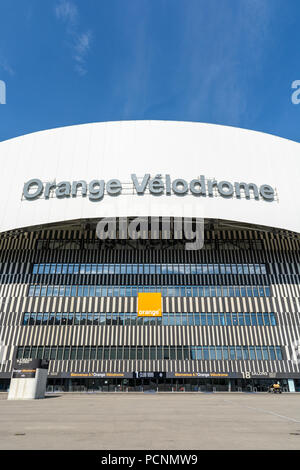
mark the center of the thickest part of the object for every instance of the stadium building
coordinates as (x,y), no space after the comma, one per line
(151,255)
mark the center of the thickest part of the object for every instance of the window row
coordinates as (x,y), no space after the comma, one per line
(151,352)
(132,291)
(83,268)
(191,319)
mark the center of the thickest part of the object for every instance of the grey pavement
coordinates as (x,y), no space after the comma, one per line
(152,421)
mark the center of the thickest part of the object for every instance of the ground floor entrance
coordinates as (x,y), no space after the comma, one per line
(153,385)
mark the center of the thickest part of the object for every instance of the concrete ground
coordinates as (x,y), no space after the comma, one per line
(152,421)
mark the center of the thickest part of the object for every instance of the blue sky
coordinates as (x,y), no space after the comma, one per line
(228,62)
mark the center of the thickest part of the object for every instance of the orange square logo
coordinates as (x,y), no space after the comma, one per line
(149,304)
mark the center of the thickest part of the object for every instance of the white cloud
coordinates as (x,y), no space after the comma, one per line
(4,65)
(80,42)
(67,11)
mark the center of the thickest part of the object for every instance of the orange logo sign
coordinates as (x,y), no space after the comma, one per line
(149,304)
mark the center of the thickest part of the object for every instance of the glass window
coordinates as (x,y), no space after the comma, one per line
(37,291)
(253,319)
(64,269)
(273,319)
(258,353)
(186,353)
(234,269)
(73,291)
(86,291)
(47,269)
(53,353)
(255,291)
(92,291)
(245,353)
(257,269)
(193,353)
(105,269)
(35,268)
(67,291)
(252,353)
(212,291)
(93,353)
(111,269)
(40,351)
(237,292)
(145,269)
(249,291)
(225,353)
(106,353)
(216,268)
(212,353)
(232,352)
(46,353)
(193,269)
(210,269)
(238,353)
(279,353)
(265,353)
(60,351)
(31,291)
(99,269)
(146,353)
(205,353)
(61,291)
(267,291)
(199,268)
(247,319)
(41,269)
(113,352)
(49,291)
(218,291)
(179,353)
(260,319)
(100,353)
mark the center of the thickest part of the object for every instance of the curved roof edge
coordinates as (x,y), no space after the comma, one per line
(67,126)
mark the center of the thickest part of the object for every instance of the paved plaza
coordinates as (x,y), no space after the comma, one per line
(152,421)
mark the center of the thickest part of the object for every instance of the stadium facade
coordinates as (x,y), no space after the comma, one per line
(70,291)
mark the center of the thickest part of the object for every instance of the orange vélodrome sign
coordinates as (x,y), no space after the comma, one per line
(149,304)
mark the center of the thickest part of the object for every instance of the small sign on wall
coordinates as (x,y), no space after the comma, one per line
(149,304)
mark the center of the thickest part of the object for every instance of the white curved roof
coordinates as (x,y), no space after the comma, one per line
(180,149)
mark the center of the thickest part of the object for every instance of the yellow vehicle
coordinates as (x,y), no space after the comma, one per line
(275,388)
